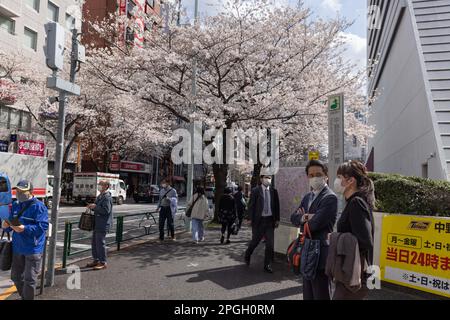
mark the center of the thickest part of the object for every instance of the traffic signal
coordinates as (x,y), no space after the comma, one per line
(54,45)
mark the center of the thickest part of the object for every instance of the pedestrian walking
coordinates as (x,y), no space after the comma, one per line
(167,206)
(241,205)
(264,212)
(103,212)
(227,214)
(319,209)
(70,191)
(29,221)
(199,213)
(357,219)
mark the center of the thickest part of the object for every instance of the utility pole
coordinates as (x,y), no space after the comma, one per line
(190,176)
(55,59)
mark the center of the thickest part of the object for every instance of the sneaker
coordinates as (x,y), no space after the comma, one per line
(100,266)
(202,239)
(92,264)
(228,241)
(173,239)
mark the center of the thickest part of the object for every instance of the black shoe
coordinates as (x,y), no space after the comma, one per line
(228,241)
(268,269)
(222,239)
(247,260)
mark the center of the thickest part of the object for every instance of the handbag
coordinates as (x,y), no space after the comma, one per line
(87,221)
(294,253)
(235,227)
(310,256)
(189,210)
(6,252)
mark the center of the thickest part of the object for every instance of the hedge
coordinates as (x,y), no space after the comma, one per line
(411,195)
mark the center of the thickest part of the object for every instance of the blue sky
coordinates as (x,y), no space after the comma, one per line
(353,10)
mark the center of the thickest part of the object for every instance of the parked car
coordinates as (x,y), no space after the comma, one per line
(146,193)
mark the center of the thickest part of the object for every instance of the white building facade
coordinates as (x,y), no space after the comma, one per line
(410,40)
(22,31)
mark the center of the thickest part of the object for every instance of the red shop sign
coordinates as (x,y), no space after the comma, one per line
(31,148)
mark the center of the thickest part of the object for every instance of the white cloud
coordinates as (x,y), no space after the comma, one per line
(333,5)
(356,48)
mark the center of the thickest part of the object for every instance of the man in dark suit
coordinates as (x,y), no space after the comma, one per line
(264,212)
(319,209)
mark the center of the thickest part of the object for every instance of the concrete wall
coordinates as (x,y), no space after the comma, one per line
(405,136)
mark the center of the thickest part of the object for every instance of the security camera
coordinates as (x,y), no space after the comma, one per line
(53,100)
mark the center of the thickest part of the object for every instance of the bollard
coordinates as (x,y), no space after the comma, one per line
(66,244)
(119,232)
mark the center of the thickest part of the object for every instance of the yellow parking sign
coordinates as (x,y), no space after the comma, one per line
(313,155)
(415,252)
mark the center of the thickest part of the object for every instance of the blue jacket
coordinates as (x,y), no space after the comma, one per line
(103,212)
(35,220)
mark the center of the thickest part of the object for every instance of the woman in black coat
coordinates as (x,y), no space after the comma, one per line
(357,218)
(227,214)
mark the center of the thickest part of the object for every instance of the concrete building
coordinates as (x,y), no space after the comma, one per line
(22,31)
(410,39)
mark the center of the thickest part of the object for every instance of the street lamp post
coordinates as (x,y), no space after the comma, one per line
(190,176)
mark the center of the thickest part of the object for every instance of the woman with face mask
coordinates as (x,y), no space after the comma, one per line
(357,218)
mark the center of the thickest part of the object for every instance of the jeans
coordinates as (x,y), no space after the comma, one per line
(24,274)
(197,229)
(99,246)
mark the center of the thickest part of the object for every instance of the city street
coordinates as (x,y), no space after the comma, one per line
(182,270)
(133,226)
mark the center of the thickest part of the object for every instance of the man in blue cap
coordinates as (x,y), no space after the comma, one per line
(29,221)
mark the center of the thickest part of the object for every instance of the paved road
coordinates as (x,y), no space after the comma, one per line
(133,226)
(182,270)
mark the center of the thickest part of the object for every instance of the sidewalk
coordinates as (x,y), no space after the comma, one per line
(182,270)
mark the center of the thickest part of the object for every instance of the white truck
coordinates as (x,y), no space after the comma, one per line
(85,186)
(31,168)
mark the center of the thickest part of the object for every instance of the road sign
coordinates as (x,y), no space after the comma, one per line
(314,155)
(335,134)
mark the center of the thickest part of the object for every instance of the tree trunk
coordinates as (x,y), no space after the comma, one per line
(220,177)
(256,173)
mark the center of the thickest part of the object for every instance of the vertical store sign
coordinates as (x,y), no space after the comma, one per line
(415,252)
(335,134)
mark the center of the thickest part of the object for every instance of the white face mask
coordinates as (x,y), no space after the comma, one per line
(317,183)
(338,187)
(267,182)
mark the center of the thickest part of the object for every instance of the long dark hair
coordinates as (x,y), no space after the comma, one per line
(364,184)
(200,191)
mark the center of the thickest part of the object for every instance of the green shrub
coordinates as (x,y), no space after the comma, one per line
(411,195)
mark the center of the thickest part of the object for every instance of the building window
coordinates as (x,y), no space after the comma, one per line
(7,24)
(15,119)
(25,121)
(53,12)
(131,8)
(30,39)
(355,141)
(33,4)
(70,22)
(4,116)
(151,3)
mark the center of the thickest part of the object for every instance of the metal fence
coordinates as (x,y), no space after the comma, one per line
(127,228)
